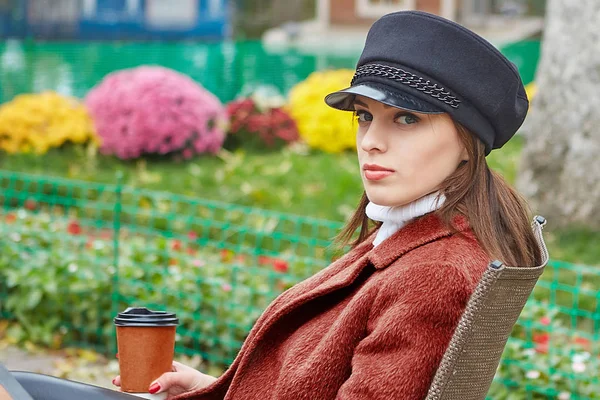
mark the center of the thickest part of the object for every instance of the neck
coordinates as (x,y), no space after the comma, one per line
(394,218)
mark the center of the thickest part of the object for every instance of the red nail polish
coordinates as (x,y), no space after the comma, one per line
(113,381)
(117,355)
(155,387)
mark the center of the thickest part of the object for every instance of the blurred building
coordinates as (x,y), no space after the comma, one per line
(115,19)
(345,12)
(356,12)
(342,24)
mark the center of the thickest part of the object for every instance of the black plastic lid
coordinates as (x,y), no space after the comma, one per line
(141,316)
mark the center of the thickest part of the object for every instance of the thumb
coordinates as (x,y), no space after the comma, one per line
(170,380)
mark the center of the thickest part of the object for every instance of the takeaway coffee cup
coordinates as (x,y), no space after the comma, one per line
(146,343)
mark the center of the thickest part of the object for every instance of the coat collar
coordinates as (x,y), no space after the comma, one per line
(423,230)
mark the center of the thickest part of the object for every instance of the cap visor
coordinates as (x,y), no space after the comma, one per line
(344,99)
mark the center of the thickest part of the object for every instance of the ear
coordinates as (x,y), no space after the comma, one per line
(464,154)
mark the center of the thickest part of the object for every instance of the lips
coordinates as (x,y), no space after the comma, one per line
(375,172)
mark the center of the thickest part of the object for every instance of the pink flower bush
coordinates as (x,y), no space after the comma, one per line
(154,110)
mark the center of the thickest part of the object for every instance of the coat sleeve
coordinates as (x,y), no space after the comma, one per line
(409,328)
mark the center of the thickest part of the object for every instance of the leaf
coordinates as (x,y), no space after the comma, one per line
(195,170)
(88,355)
(35,296)
(30,347)
(15,334)
(3,327)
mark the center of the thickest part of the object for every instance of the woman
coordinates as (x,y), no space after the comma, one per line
(432,99)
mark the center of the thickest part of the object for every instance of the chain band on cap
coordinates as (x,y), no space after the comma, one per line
(412,80)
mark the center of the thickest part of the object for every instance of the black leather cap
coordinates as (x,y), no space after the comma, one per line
(344,99)
(425,63)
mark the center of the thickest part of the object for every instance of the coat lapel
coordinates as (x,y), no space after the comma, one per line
(340,274)
(346,270)
(423,230)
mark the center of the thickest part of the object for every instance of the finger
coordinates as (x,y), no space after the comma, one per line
(169,380)
(117,380)
(178,367)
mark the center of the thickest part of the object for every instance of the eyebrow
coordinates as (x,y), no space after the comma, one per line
(360,103)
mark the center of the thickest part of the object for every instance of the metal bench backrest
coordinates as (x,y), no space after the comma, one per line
(10,389)
(472,357)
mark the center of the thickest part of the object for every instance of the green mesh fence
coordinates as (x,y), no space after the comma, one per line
(102,248)
(54,284)
(227,69)
(73,254)
(555,347)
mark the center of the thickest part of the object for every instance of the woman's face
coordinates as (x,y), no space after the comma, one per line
(404,155)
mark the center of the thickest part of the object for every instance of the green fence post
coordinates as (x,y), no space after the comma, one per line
(116,233)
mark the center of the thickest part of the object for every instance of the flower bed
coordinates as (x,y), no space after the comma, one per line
(546,358)
(63,286)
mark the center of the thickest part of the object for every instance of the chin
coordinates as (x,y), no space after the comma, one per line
(386,200)
(384,196)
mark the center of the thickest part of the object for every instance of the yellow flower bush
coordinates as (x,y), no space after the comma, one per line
(38,122)
(531,90)
(321,126)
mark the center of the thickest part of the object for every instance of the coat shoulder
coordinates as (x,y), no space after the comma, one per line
(432,282)
(459,253)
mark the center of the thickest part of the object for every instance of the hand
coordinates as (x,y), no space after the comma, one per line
(181,380)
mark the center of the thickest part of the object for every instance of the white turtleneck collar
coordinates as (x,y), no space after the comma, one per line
(394,218)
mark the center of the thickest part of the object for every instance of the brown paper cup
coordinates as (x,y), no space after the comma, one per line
(145,353)
(146,343)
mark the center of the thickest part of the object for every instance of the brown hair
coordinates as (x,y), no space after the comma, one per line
(497,214)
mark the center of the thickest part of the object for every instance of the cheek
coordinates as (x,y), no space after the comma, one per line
(430,161)
(359,151)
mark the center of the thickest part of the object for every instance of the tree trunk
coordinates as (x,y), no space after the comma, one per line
(560,165)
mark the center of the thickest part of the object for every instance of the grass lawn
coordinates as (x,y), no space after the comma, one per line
(295,180)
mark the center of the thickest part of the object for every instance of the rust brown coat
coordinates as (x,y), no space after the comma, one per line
(372,325)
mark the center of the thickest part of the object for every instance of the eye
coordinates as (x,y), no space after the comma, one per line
(363,116)
(407,119)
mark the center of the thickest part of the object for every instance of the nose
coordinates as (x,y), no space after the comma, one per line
(373,138)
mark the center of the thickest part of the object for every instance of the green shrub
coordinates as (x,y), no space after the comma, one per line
(63,286)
